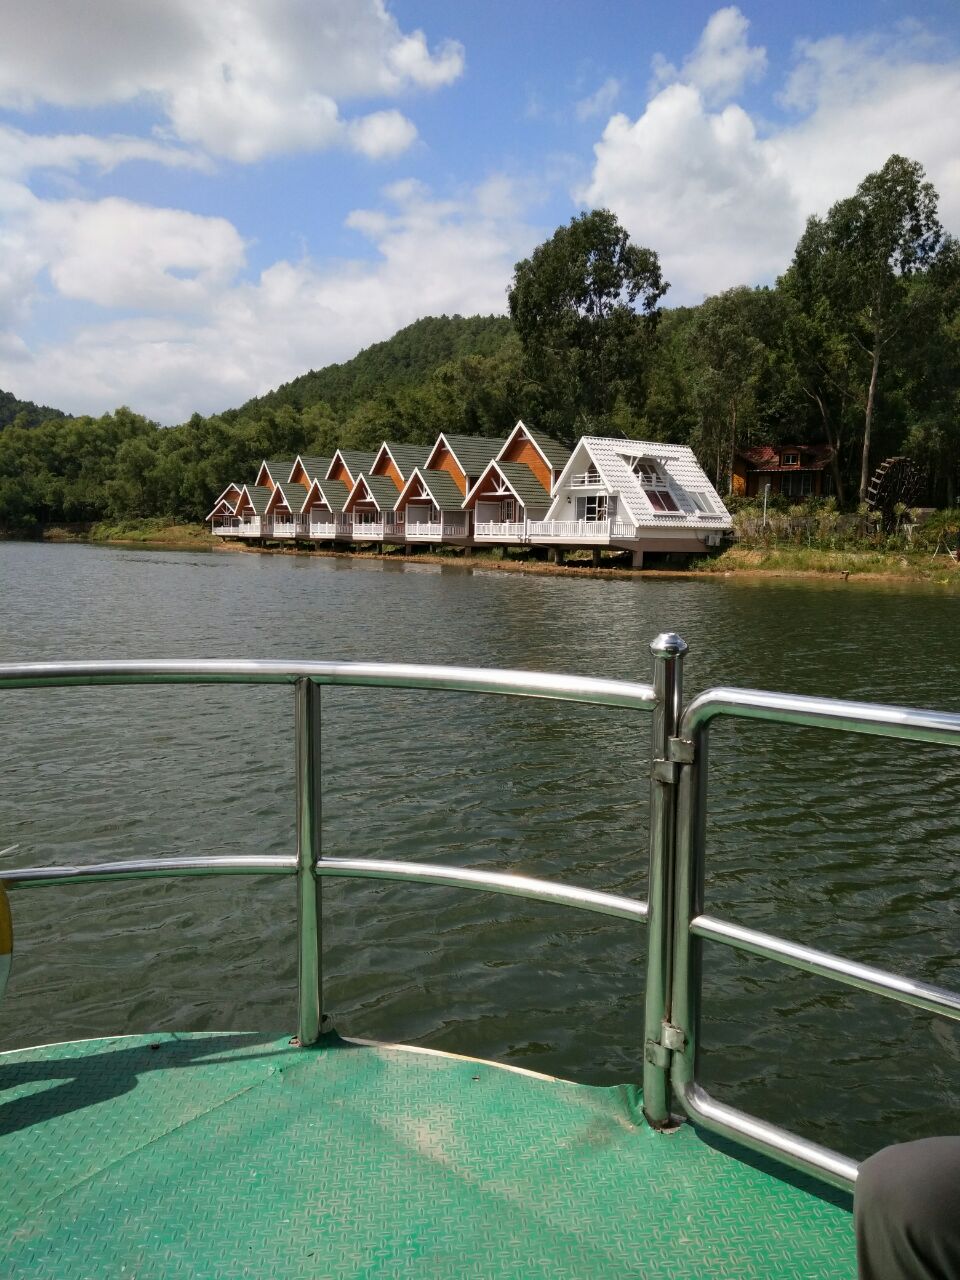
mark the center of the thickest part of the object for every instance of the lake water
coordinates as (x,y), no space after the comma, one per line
(849,844)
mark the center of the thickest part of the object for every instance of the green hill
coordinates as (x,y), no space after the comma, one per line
(405,360)
(24,412)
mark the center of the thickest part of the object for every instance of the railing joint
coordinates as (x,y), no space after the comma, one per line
(665,771)
(681,750)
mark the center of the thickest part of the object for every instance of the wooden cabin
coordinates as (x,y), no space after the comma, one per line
(223,518)
(285,511)
(251,511)
(633,494)
(323,510)
(515,487)
(794,470)
(370,506)
(431,508)
(347,465)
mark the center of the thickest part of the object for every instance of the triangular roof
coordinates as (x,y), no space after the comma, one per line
(675,463)
(405,456)
(518,478)
(232,489)
(355,460)
(277,469)
(222,507)
(473,453)
(554,454)
(440,487)
(335,493)
(257,495)
(314,468)
(290,495)
(380,490)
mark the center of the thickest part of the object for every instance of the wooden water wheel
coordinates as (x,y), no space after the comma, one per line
(896,480)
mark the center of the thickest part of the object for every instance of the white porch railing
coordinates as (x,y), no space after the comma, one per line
(365,531)
(511,530)
(323,528)
(249,528)
(226,528)
(437,530)
(289,528)
(584,478)
(581,530)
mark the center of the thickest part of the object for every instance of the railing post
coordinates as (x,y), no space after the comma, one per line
(668,650)
(309,924)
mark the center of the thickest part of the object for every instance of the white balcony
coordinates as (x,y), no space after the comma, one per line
(500,530)
(584,478)
(589,531)
(325,527)
(367,531)
(250,528)
(437,530)
(226,528)
(289,528)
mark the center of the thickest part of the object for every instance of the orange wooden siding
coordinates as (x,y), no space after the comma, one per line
(443,460)
(523,450)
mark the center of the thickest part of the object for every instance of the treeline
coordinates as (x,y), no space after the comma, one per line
(857,346)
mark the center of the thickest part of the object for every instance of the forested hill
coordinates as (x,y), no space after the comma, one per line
(24,412)
(405,360)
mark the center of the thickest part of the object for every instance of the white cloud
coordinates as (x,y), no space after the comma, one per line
(23,153)
(219,340)
(723,202)
(241,78)
(723,61)
(600,102)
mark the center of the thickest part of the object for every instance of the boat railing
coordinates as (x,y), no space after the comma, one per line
(673,912)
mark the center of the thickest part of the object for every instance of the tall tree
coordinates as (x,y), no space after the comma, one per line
(584,304)
(855,266)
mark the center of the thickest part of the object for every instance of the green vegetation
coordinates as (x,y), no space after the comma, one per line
(857,345)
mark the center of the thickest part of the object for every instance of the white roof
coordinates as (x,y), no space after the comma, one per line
(675,462)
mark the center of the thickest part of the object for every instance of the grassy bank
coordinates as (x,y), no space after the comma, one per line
(917,566)
(162,533)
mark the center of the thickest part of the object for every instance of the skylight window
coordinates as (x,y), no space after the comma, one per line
(654,485)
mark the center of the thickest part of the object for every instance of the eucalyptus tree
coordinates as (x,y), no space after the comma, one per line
(584,305)
(854,268)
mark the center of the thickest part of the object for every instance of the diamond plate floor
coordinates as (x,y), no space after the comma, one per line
(239,1156)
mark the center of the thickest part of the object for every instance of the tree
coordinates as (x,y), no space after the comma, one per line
(854,267)
(727,358)
(584,305)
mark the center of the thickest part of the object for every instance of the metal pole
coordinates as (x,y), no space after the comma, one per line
(668,650)
(309,937)
(766,495)
(687,981)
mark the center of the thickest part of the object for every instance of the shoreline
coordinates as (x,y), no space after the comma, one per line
(739,562)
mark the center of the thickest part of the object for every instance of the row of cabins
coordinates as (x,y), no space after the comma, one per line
(472,491)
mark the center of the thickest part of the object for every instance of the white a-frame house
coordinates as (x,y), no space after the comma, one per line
(634,494)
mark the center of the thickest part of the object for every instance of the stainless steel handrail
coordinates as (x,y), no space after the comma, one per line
(309,865)
(691,925)
(394,675)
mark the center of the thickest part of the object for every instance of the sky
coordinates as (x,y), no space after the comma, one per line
(199,201)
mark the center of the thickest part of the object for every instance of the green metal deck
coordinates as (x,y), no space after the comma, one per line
(210,1155)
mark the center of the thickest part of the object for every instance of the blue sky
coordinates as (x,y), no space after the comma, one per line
(198,202)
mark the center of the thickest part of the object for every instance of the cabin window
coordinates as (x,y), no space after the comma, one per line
(592,508)
(591,475)
(702,503)
(791,460)
(367,517)
(798,485)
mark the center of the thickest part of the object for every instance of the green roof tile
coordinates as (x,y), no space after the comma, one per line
(316,468)
(382,489)
(443,490)
(259,496)
(524,484)
(474,453)
(357,460)
(335,492)
(279,468)
(408,456)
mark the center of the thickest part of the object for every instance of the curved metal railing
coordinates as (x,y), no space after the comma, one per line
(674,913)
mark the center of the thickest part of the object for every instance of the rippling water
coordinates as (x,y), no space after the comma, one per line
(851,845)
